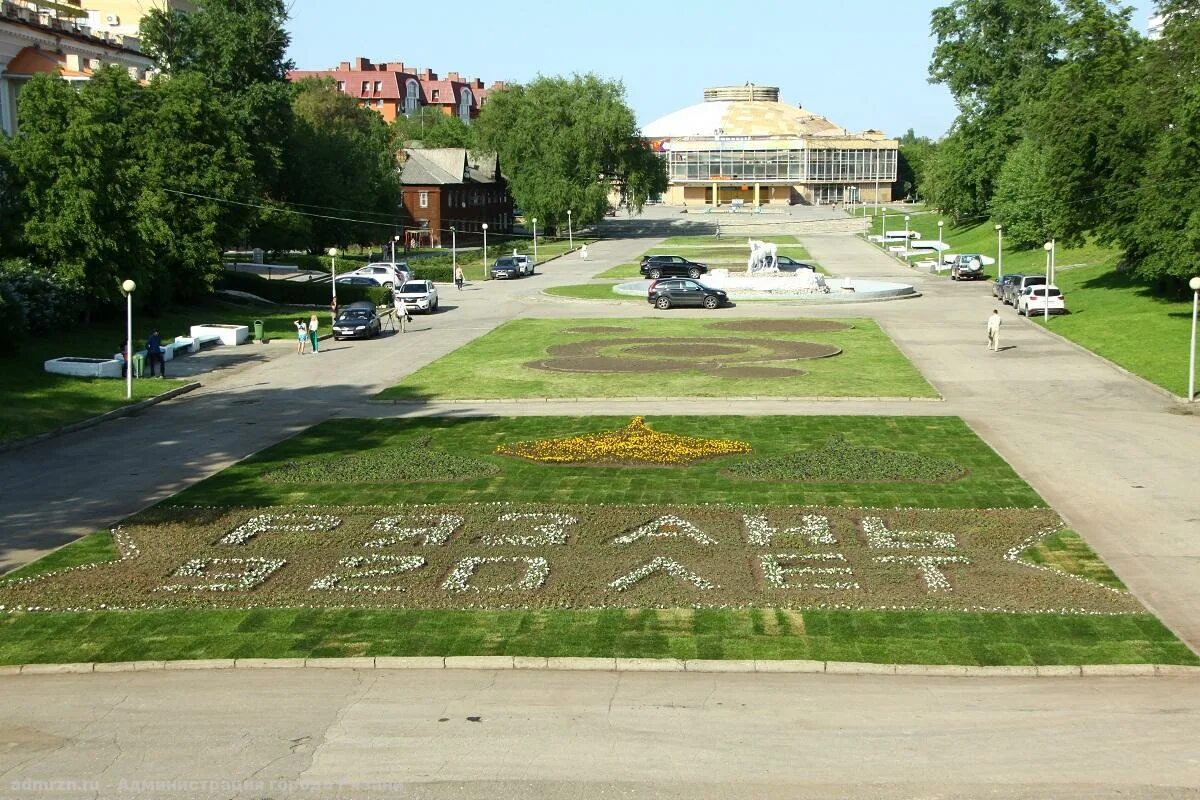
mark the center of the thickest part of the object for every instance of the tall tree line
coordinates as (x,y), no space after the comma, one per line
(119,179)
(1072,124)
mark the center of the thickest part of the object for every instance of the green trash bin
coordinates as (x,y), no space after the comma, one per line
(258,331)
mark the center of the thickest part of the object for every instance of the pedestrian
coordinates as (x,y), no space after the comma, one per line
(458,277)
(154,354)
(122,355)
(402,315)
(314,339)
(301,336)
(583,254)
(993,330)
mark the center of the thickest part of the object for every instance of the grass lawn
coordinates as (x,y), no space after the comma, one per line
(1105,305)
(872,636)
(33,401)
(869,366)
(988,483)
(593,291)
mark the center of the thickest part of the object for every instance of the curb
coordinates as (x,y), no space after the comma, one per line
(716,399)
(91,422)
(562,664)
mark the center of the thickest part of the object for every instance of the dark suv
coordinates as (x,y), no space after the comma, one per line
(656,267)
(683,292)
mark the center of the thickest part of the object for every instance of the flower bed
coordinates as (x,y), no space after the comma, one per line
(839,461)
(383,465)
(636,443)
(535,556)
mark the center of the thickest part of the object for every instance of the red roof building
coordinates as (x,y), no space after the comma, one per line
(393,89)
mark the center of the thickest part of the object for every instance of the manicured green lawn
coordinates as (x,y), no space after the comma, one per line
(1111,313)
(869,366)
(592,291)
(33,401)
(989,482)
(885,637)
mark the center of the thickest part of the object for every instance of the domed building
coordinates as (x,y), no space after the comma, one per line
(743,144)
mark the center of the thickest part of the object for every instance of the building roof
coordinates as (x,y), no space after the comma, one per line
(741,118)
(440,166)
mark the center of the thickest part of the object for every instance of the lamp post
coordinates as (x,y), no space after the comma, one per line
(1000,252)
(485,269)
(534,220)
(885,229)
(907,240)
(941,244)
(127,288)
(333,253)
(395,241)
(453,247)
(1049,248)
(570,234)
(1194,285)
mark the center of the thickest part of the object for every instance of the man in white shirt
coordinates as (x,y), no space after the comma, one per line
(993,330)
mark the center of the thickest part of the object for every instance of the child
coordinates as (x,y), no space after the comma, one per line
(301,336)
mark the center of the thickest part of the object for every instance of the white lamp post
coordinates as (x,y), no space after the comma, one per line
(907,240)
(127,288)
(453,247)
(333,253)
(534,220)
(1194,285)
(1000,252)
(485,269)
(395,241)
(1049,248)
(941,246)
(885,228)
(570,234)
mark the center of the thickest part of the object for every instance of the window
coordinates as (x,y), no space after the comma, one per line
(435,95)
(341,86)
(379,103)
(464,106)
(366,87)
(378,87)
(423,199)
(412,97)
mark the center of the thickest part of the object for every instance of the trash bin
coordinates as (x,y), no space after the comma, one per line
(258,331)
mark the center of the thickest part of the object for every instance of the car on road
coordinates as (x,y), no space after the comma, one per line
(525,263)
(966,267)
(357,280)
(666,266)
(418,295)
(506,267)
(359,320)
(1040,300)
(669,292)
(789,264)
(1000,285)
(387,274)
(1012,291)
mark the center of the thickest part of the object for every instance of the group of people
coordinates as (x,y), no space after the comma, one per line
(154,356)
(306,334)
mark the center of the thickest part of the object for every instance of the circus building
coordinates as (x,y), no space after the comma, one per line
(742,144)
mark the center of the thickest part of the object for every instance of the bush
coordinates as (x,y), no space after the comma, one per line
(300,293)
(48,301)
(12,319)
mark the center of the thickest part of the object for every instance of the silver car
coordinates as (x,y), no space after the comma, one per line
(419,296)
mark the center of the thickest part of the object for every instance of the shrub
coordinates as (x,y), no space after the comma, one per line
(12,319)
(300,293)
(48,301)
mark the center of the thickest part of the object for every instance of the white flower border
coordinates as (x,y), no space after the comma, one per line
(259,569)
(654,529)
(881,537)
(536,572)
(664,564)
(396,528)
(258,525)
(383,566)
(552,532)
(776,574)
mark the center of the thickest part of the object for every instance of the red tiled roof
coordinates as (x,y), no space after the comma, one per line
(392,84)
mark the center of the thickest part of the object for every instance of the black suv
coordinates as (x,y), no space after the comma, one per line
(683,292)
(677,266)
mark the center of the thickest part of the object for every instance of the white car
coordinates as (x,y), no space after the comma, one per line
(419,296)
(524,264)
(1040,299)
(383,273)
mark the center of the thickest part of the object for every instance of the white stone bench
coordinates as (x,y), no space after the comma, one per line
(230,335)
(84,367)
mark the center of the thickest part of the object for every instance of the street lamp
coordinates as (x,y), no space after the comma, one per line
(395,241)
(941,246)
(1000,252)
(1049,248)
(453,247)
(885,228)
(485,269)
(534,220)
(127,288)
(1194,285)
(570,234)
(907,240)
(333,253)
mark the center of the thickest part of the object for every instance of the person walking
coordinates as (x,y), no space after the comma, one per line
(402,315)
(458,277)
(583,253)
(313,337)
(993,330)
(154,354)
(301,336)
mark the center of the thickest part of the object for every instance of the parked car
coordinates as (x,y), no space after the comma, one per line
(384,273)
(357,280)
(789,264)
(966,267)
(1013,290)
(419,296)
(506,267)
(1041,299)
(525,263)
(357,320)
(656,267)
(684,292)
(1000,285)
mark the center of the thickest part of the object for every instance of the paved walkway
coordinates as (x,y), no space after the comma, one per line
(480,734)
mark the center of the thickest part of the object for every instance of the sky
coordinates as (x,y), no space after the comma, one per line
(860,63)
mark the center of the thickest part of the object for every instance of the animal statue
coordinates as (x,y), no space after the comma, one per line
(758,251)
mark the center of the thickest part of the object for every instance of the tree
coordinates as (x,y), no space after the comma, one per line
(915,154)
(340,156)
(10,207)
(432,128)
(1029,202)
(565,144)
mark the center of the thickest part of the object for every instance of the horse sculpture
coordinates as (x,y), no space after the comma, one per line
(764,256)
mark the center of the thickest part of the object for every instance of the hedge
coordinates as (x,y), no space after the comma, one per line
(300,293)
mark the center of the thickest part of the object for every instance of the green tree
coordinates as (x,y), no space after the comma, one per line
(11,212)
(430,127)
(1029,201)
(340,156)
(913,167)
(565,144)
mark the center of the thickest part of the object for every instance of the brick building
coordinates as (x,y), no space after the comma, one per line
(392,89)
(452,187)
